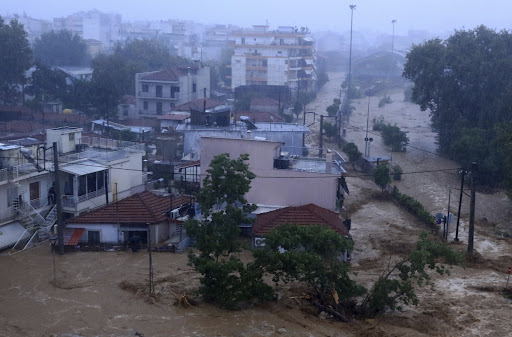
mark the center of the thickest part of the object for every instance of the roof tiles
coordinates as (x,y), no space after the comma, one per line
(310,214)
(140,208)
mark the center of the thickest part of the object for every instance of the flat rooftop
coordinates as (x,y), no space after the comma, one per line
(240,126)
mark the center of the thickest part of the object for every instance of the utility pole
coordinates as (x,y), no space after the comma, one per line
(60,225)
(320,151)
(463,173)
(150,261)
(471,232)
(447,223)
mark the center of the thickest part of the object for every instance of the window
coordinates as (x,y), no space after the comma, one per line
(243,40)
(145,88)
(158,91)
(125,110)
(281,42)
(93,237)
(145,105)
(279,52)
(71,137)
(194,87)
(174,90)
(158,108)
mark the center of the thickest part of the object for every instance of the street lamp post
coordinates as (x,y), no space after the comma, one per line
(393,38)
(53,241)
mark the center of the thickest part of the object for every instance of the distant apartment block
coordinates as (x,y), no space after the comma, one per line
(285,56)
(158,92)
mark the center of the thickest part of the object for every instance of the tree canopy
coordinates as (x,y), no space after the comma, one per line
(225,280)
(61,48)
(15,59)
(466,85)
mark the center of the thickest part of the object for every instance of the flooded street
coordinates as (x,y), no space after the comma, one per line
(105,293)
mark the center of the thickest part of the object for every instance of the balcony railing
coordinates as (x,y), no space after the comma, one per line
(72,201)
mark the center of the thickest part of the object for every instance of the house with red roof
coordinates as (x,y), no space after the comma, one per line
(305,215)
(145,216)
(158,92)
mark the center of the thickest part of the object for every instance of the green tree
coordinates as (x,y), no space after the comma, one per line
(464,90)
(15,59)
(61,48)
(311,254)
(381,175)
(397,284)
(330,130)
(353,153)
(225,279)
(394,137)
(47,84)
(332,110)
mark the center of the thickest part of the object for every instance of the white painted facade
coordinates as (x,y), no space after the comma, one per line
(279,57)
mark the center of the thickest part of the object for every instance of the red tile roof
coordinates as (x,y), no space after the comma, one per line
(310,214)
(259,116)
(140,208)
(198,104)
(173,117)
(171,75)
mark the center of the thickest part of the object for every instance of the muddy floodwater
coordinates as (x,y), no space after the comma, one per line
(105,293)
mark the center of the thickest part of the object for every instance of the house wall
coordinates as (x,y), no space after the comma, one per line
(127,173)
(273,186)
(113,233)
(292,140)
(186,94)
(65,143)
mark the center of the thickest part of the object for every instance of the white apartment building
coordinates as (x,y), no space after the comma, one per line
(285,56)
(158,92)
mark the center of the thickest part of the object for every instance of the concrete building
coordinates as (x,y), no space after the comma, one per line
(158,92)
(130,218)
(290,135)
(285,56)
(280,180)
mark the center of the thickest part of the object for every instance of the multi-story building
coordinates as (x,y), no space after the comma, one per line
(91,172)
(158,92)
(285,56)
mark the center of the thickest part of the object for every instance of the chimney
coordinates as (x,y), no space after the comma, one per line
(328,161)
(248,134)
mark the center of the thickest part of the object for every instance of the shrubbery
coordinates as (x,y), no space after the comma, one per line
(414,207)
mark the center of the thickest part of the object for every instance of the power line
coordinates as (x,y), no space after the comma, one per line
(380,135)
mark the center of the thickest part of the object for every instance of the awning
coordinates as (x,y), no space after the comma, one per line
(72,236)
(83,168)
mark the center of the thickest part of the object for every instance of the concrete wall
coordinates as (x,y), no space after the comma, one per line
(127,173)
(273,186)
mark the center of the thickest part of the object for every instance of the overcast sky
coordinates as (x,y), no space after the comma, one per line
(374,15)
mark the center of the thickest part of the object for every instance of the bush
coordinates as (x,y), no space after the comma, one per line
(396,171)
(384,100)
(394,137)
(378,123)
(414,207)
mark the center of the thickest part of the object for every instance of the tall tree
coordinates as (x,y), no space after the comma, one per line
(225,279)
(109,82)
(381,175)
(61,48)
(465,83)
(15,59)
